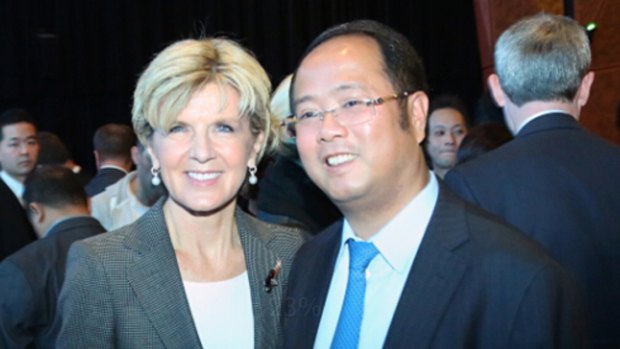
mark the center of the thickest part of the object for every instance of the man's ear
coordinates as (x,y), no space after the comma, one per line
(97,160)
(417,106)
(37,212)
(496,90)
(583,93)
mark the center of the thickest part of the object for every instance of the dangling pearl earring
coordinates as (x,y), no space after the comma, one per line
(155,181)
(252,179)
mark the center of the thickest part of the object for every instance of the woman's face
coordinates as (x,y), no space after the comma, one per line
(205,155)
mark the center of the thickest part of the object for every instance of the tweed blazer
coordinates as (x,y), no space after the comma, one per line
(124,289)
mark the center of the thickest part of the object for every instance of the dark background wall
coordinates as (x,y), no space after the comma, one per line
(73,64)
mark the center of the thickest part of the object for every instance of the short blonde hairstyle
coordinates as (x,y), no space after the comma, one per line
(185,67)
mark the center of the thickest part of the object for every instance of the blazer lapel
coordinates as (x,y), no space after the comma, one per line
(433,279)
(318,269)
(154,277)
(259,260)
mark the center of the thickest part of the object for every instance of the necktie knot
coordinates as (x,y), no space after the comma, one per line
(360,254)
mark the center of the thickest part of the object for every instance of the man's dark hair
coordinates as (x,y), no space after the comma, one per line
(54,186)
(114,141)
(401,63)
(53,150)
(14,116)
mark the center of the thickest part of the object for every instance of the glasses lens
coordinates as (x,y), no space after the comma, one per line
(357,113)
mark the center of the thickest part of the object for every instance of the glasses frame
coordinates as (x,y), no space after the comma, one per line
(369,103)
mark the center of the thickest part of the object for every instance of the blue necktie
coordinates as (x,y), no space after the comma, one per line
(347,333)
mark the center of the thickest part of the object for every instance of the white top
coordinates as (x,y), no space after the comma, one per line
(16,186)
(117,205)
(222,312)
(398,242)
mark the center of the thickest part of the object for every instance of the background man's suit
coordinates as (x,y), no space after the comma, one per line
(104,178)
(561,186)
(15,229)
(474,282)
(31,279)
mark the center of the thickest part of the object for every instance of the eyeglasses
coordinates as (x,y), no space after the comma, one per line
(349,113)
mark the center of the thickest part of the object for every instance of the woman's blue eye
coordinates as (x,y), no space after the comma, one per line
(176,129)
(224,128)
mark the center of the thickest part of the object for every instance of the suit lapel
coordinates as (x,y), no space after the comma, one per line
(318,269)
(259,260)
(154,277)
(433,279)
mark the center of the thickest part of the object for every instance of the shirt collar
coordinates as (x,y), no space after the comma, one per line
(60,220)
(398,241)
(537,115)
(16,186)
(114,167)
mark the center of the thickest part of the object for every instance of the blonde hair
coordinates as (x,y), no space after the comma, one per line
(185,67)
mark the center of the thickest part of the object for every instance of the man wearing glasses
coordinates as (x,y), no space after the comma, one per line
(410,265)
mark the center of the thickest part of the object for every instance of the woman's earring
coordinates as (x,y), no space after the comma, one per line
(252,179)
(155,181)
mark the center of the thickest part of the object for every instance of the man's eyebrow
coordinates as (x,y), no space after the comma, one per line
(344,87)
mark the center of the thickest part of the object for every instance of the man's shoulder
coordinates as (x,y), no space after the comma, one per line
(328,237)
(490,239)
(56,242)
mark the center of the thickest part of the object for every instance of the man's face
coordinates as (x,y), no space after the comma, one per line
(19,149)
(366,163)
(446,130)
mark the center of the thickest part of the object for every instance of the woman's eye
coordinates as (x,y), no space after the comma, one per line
(176,129)
(224,128)
(439,133)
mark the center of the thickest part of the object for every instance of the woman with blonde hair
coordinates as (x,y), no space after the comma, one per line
(195,270)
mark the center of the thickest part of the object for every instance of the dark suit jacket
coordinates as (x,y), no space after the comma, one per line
(15,229)
(124,289)
(560,185)
(474,283)
(104,177)
(31,279)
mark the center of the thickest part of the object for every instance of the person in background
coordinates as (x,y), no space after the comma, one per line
(482,139)
(285,193)
(555,181)
(411,264)
(19,150)
(112,149)
(130,197)
(53,151)
(31,277)
(447,125)
(195,270)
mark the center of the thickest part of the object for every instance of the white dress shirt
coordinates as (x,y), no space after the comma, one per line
(16,186)
(398,242)
(536,116)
